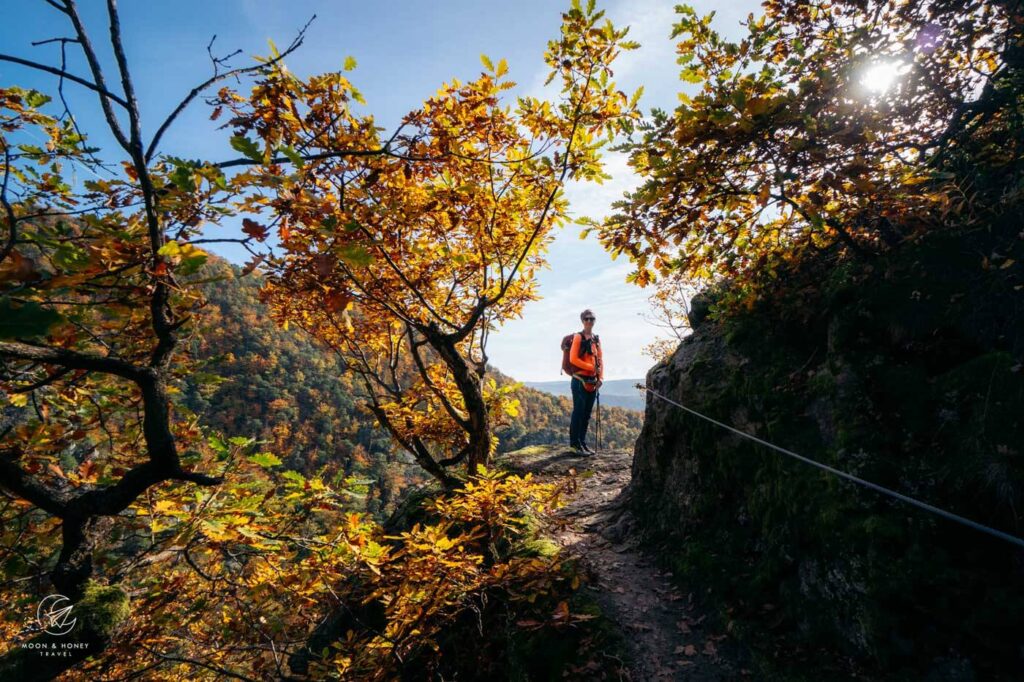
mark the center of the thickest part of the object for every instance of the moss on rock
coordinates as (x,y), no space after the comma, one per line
(103,608)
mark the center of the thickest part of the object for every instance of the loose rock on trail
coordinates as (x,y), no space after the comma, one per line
(667,636)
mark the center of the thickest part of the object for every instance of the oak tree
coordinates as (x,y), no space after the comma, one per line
(830,124)
(405,261)
(97,290)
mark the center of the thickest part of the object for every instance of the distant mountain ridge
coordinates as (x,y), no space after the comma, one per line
(614,392)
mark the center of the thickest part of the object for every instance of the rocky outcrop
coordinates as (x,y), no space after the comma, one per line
(663,468)
(906,371)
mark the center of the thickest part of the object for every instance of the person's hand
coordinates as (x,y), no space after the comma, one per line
(599,382)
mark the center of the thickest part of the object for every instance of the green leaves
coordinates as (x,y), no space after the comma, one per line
(34,150)
(294,477)
(36,99)
(25,320)
(293,155)
(691,75)
(219,448)
(354,254)
(635,99)
(67,256)
(265,459)
(189,258)
(183,178)
(247,147)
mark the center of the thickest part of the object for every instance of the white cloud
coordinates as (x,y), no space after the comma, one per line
(582,274)
(528,348)
(650,23)
(594,200)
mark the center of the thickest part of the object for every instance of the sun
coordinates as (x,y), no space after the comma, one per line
(878,77)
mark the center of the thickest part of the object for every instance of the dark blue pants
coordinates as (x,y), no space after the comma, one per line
(582,406)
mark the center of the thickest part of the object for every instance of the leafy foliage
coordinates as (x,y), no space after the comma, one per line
(785,149)
(235,578)
(403,254)
(105,292)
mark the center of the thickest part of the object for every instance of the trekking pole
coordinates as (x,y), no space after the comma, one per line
(599,419)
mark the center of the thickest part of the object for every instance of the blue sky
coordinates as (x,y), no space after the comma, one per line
(404,50)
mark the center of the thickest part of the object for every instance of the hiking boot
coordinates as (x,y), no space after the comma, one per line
(577,451)
(587,451)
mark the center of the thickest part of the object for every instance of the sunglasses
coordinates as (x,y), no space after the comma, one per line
(589,319)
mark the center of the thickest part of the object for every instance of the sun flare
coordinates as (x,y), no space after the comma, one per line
(879,77)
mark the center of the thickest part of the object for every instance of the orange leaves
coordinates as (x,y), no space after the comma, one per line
(437,570)
(254,229)
(252,264)
(17,268)
(259,561)
(440,227)
(494,497)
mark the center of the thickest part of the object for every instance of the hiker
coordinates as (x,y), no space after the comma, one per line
(586,366)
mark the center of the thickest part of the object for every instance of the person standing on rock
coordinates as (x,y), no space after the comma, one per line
(587,367)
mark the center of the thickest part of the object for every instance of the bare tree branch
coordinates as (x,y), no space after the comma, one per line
(97,74)
(217,77)
(105,94)
(72,359)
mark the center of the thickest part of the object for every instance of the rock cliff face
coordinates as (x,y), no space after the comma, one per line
(665,468)
(906,371)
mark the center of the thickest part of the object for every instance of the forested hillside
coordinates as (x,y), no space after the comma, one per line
(258,380)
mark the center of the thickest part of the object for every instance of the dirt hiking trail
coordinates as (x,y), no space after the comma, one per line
(667,636)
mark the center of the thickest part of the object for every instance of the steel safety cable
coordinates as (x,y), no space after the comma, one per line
(1013,539)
